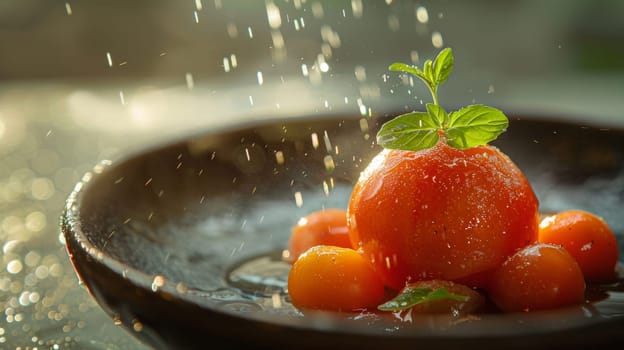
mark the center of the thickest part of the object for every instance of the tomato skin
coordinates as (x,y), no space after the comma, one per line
(334,279)
(540,276)
(324,227)
(587,238)
(441,213)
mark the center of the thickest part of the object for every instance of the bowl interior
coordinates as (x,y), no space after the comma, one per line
(200,226)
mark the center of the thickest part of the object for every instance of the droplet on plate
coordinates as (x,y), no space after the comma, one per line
(158,282)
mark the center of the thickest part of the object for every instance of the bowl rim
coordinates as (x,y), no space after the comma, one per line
(75,237)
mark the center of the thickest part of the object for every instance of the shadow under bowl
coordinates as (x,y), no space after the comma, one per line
(182,244)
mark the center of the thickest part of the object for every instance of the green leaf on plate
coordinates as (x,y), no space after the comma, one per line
(410,297)
(411,131)
(474,125)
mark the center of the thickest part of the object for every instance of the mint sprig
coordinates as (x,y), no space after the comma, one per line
(411,297)
(471,126)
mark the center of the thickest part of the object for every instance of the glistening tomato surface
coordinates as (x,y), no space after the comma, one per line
(587,238)
(441,213)
(334,278)
(540,276)
(324,227)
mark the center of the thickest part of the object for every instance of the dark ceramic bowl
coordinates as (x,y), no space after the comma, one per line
(182,244)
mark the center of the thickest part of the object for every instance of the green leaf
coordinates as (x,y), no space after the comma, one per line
(437,113)
(469,127)
(410,297)
(474,125)
(402,67)
(442,66)
(412,131)
(428,70)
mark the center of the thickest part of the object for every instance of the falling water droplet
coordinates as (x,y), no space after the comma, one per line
(260,78)
(328,145)
(273,15)
(328,160)
(317,10)
(298,199)
(68,9)
(226,64)
(233,60)
(414,56)
(189,81)
(393,23)
(315,140)
(232,30)
(279,157)
(278,39)
(109,59)
(436,40)
(364,125)
(422,15)
(360,73)
(357,8)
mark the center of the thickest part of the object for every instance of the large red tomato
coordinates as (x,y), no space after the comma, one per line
(441,213)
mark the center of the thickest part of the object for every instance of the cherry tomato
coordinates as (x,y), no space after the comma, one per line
(441,213)
(325,227)
(334,278)
(587,238)
(540,276)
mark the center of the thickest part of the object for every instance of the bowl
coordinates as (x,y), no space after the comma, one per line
(182,244)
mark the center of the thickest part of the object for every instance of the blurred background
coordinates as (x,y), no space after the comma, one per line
(82,81)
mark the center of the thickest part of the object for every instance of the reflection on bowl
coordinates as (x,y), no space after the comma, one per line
(182,244)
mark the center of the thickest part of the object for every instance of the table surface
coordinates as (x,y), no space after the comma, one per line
(54,129)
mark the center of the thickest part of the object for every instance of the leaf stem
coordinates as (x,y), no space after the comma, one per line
(434,94)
